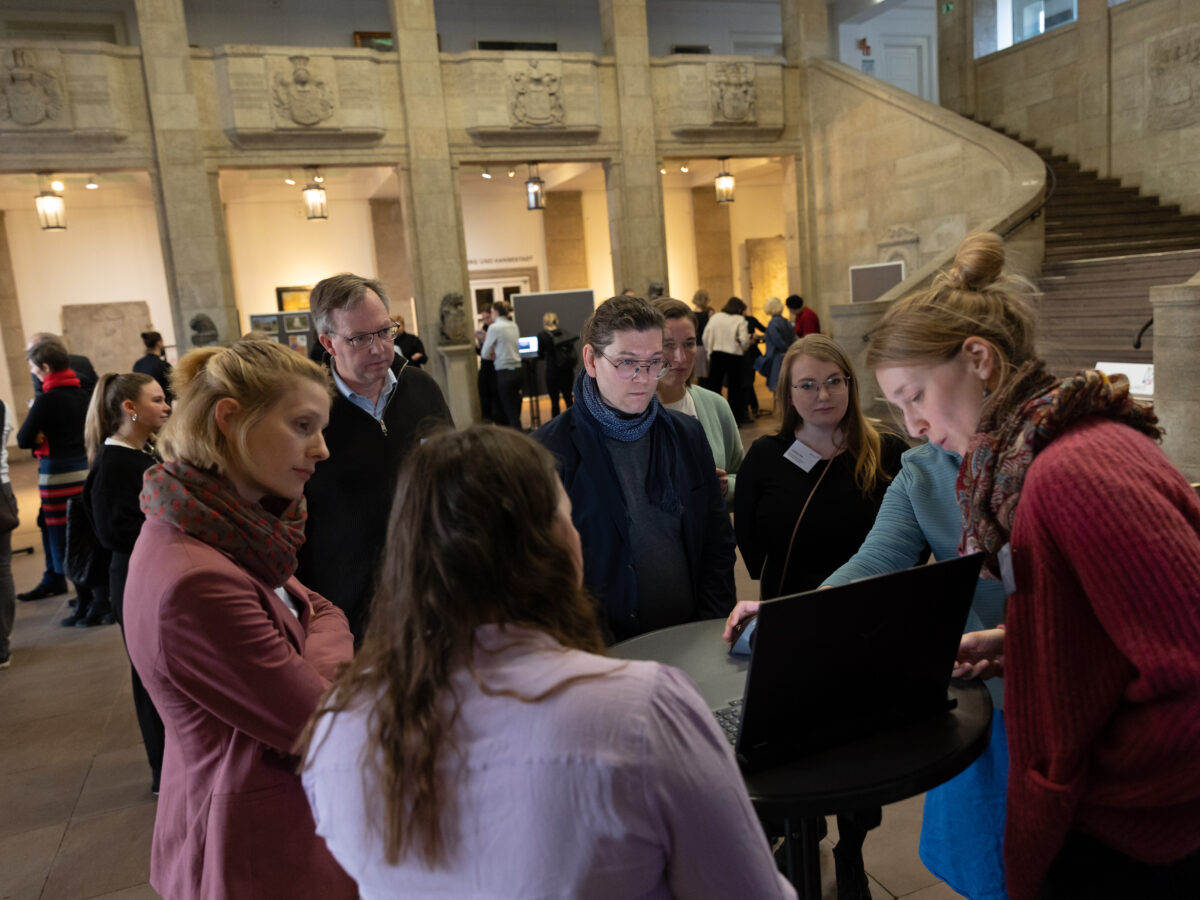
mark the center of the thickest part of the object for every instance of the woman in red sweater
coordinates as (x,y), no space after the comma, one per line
(1097,538)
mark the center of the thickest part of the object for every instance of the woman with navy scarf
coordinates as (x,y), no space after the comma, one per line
(658,548)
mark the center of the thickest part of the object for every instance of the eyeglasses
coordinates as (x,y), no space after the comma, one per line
(627,369)
(362,341)
(835,384)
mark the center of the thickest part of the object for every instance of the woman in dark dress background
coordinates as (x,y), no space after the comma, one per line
(154,363)
(558,377)
(125,412)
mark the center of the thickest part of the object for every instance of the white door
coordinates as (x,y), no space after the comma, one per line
(487,290)
(905,64)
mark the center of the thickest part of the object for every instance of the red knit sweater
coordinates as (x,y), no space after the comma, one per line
(1102,694)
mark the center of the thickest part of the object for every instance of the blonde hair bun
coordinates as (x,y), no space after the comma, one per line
(978,262)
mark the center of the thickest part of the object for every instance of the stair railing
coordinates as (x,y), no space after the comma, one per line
(1051,184)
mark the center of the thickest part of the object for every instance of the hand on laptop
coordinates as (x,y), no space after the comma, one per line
(980,654)
(739,619)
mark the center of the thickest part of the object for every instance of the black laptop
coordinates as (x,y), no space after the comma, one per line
(833,665)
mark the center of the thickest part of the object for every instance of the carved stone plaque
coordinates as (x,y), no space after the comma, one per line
(301,96)
(109,334)
(534,95)
(1173,64)
(733,92)
(29,94)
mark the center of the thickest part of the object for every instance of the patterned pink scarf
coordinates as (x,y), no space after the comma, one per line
(207,507)
(1027,414)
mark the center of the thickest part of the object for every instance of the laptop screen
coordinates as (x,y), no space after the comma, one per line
(528,347)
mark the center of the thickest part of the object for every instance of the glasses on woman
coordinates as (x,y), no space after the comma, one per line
(627,369)
(834,384)
(363,341)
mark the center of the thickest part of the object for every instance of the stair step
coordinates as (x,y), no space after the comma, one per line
(1071,219)
(1089,249)
(1073,188)
(1133,228)
(1086,180)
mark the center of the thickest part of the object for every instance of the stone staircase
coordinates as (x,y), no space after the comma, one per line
(1106,246)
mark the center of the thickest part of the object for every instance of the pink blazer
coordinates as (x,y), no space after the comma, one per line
(235,676)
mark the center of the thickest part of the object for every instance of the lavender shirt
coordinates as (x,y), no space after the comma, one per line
(616,786)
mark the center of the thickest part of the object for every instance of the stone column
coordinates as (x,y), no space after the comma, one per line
(186,194)
(433,213)
(393,265)
(714,253)
(956,56)
(1093,140)
(12,329)
(805,30)
(799,224)
(566,247)
(635,199)
(1176,375)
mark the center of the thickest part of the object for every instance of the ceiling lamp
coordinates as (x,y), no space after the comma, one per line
(535,196)
(662,169)
(51,210)
(91,183)
(724,182)
(684,168)
(315,206)
(288,179)
(487,176)
(512,173)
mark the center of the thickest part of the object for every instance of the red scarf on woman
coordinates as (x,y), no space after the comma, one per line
(1022,418)
(64,378)
(208,507)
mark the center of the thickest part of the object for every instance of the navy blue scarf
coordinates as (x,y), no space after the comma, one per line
(664,438)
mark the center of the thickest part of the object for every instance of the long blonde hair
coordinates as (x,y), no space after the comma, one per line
(974,297)
(106,411)
(862,438)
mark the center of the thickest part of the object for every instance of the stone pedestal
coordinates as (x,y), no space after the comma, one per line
(635,201)
(1176,375)
(460,368)
(186,194)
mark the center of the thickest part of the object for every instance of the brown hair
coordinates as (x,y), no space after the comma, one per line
(700,300)
(501,307)
(344,291)
(862,438)
(469,542)
(619,314)
(151,339)
(105,412)
(734,306)
(974,297)
(254,373)
(49,352)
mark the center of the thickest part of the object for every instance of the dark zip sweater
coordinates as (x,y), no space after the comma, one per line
(350,495)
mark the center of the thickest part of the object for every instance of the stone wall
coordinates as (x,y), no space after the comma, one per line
(1118,90)
(894,176)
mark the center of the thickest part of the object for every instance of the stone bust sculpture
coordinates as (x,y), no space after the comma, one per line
(454,320)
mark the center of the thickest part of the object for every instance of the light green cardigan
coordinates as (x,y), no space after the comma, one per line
(722,432)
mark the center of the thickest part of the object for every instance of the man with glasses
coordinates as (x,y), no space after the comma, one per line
(382,407)
(658,549)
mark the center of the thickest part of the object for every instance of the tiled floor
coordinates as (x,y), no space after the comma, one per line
(76,812)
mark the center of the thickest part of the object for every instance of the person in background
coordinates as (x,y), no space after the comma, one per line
(778,337)
(502,347)
(658,549)
(756,331)
(1096,538)
(9,501)
(233,649)
(154,363)
(559,372)
(489,405)
(807,321)
(962,827)
(382,407)
(125,414)
(54,431)
(702,307)
(80,365)
(410,345)
(481,737)
(677,391)
(727,338)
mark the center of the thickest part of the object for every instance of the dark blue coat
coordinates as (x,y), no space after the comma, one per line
(599,513)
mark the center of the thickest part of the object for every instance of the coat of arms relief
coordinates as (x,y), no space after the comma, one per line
(28,95)
(302,97)
(733,93)
(534,97)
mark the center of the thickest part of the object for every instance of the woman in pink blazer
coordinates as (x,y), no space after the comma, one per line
(234,651)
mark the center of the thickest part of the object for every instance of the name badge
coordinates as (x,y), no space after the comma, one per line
(802,455)
(1004,558)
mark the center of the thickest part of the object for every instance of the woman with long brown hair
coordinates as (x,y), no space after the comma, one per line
(480,742)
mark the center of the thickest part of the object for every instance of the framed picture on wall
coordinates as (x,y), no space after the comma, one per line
(296,322)
(269,324)
(299,342)
(292,299)
(375,40)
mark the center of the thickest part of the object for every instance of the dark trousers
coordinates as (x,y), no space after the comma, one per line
(489,407)
(8,594)
(558,383)
(148,719)
(508,391)
(725,369)
(1087,869)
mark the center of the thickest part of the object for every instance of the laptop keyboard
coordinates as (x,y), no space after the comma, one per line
(729,718)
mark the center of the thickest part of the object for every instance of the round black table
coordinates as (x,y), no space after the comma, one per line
(867,772)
